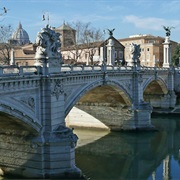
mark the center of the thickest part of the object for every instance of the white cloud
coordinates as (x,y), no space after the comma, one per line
(151,23)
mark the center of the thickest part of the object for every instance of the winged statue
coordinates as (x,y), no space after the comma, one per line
(168,30)
(111,31)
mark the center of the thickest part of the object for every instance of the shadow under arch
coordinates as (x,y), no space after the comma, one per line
(155,92)
(159,81)
(12,125)
(13,112)
(76,97)
(16,146)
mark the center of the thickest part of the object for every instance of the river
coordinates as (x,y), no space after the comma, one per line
(132,155)
(153,155)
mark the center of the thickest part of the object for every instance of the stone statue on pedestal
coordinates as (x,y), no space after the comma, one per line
(135,51)
(48,43)
(48,50)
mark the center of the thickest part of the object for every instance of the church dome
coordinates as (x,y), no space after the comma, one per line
(20,36)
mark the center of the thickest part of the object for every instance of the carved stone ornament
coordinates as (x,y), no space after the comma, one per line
(29,101)
(58,89)
(48,44)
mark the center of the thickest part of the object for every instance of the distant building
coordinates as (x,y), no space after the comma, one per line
(68,35)
(93,53)
(151,48)
(19,37)
(23,55)
(17,50)
(22,51)
(110,50)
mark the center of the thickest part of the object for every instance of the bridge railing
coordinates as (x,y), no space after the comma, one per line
(33,70)
(144,68)
(95,68)
(16,70)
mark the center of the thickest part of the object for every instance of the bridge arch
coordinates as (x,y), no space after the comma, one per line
(76,97)
(20,113)
(156,93)
(159,81)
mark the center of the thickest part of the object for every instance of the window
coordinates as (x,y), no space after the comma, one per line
(115,54)
(147,49)
(151,41)
(121,54)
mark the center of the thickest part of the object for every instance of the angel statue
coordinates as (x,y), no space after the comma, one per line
(168,30)
(135,52)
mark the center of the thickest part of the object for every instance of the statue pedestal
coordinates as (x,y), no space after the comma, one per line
(54,65)
(167,53)
(54,157)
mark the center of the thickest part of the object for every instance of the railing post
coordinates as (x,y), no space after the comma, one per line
(20,70)
(1,70)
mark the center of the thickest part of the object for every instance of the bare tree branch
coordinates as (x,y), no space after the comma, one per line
(5,46)
(86,36)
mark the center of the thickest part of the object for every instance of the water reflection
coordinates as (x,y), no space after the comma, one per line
(130,155)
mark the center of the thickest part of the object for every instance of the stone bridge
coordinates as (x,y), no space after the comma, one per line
(35,141)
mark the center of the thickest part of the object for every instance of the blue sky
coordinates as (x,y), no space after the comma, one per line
(128,17)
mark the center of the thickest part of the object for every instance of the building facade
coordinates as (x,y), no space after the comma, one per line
(23,55)
(151,49)
(67,35)
(110,51)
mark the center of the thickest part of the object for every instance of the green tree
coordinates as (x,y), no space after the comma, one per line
(176,55)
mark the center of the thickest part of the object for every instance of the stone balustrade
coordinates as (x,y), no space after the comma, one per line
(37,70)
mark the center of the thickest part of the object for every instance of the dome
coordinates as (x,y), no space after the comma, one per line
(20,36)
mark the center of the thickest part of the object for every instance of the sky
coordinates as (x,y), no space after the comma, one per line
(128,17)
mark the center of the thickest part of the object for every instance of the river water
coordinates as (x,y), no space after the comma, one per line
(103,155)
(132,155)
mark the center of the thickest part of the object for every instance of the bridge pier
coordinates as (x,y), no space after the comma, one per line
(141,111)
(141,118)
(55,156)
(55,143)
